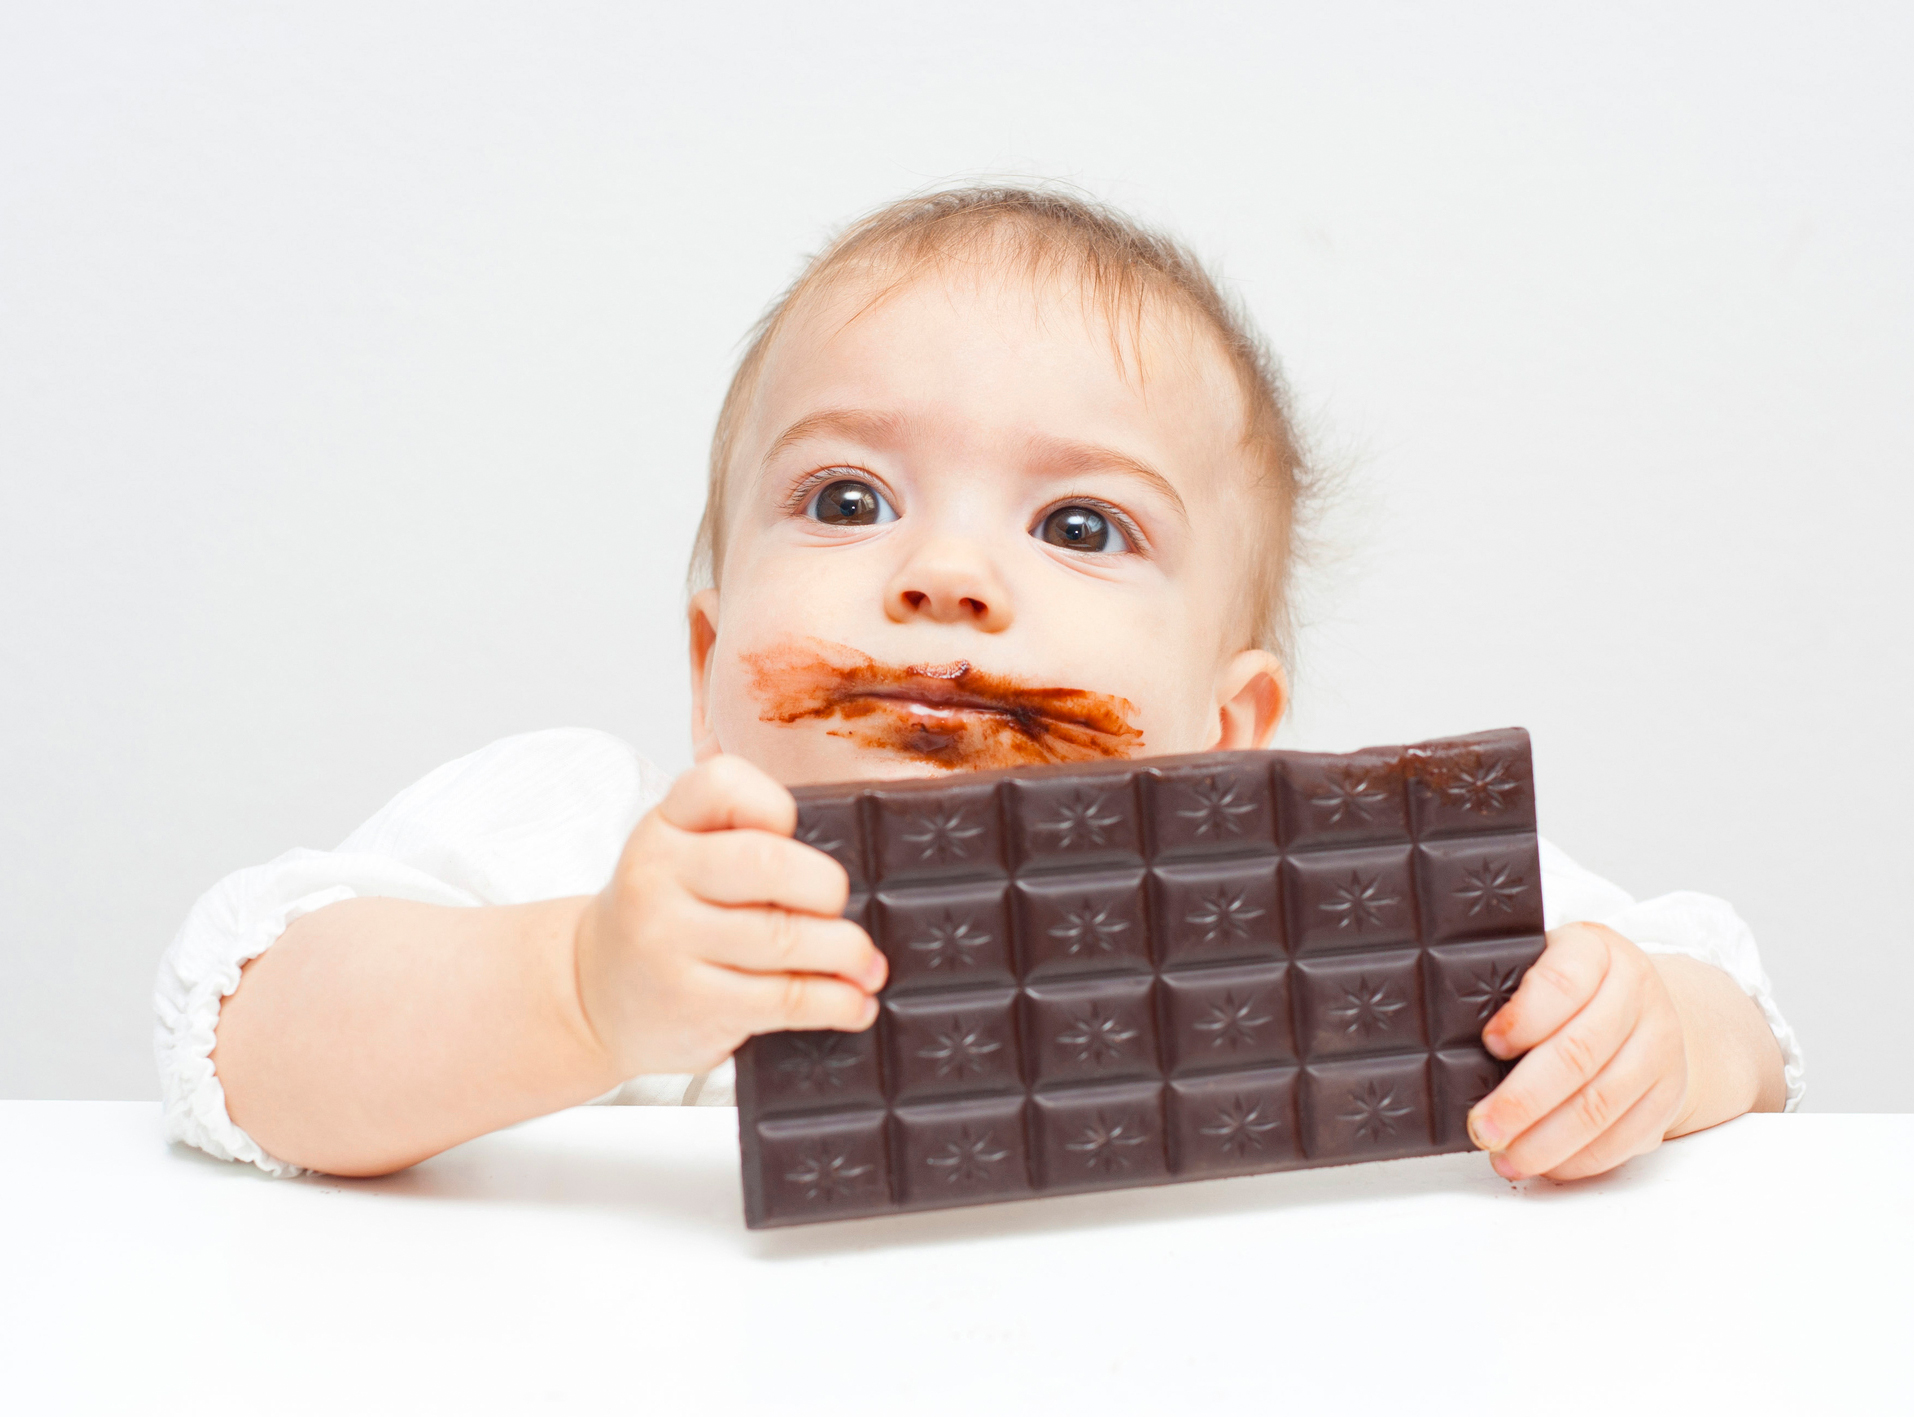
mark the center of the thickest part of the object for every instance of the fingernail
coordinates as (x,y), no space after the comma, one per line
(1483,1132)
(1504,1167)
(870,1015)
(1496,1043)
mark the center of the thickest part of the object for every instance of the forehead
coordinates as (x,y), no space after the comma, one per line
(984,352)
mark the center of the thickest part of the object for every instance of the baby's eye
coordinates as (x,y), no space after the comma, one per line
(850,502)
(1081,528)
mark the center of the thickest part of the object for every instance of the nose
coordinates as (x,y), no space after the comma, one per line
(949,583)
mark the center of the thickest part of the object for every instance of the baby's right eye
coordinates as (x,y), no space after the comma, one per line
(850,502)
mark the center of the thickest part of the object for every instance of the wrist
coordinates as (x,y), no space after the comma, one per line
(571,942)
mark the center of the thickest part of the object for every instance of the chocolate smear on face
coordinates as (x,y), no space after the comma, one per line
(951,715)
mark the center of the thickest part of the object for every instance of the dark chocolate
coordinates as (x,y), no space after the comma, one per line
(1126,973)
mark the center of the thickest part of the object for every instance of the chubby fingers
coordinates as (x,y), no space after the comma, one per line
(1555,989)
(765,1003)
(765,940)
(1602,1086)
(752,867)
(725,793)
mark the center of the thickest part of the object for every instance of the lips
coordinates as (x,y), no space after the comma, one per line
(952,715)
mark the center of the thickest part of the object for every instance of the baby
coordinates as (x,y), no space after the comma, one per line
(1001,479)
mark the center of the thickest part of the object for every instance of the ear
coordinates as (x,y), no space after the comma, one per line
(704,636)
(1251,694)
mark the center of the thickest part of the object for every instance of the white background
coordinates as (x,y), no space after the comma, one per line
(357,364)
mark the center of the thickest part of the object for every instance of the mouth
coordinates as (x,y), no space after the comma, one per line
(949,715)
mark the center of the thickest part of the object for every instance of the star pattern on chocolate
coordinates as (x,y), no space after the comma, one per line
(1240,1125)
(1357,903)
(1223,916)
(1491,889)
(951,942)
(1081,821)
(967,1158)
(960,1050)
(1490,987)
(1374,1111)
(1216,810)
(1482,787)
(1104,1143)
(1096,1036)
(1367,1010)
(828,1175)
(1090,929)
(1349,793)
(943,835)
(1234,1021)
(817,1063)
(817,835)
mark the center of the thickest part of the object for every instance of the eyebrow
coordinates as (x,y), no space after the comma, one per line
(1069,456)
(863,425)
(1059,454)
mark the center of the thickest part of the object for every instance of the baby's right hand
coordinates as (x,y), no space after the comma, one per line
(715,926)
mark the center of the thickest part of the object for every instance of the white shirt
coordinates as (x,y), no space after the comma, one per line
(546,814)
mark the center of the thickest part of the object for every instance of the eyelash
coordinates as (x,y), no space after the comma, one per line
(799,497)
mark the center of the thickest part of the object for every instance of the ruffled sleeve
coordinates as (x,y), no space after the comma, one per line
(1703,927)
(527,818)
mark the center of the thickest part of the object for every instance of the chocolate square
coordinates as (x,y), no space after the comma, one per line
(945,935)
(962,1152)
(1089,1138)
(1366,1107)
(1341,799)
(1083,924)
(1211,911)
(1226,1124)
(952,1043)
(1087,819)
(1475,888)
(1090,1029)
(1231,1017)
(1342,900)
(1468,983)
(834,1165)
(926,832)
(811,1072)
(1366,1003)
(1471,786)
(833,826)
(1218,806)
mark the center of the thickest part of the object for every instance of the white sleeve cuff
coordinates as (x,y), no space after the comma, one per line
(236,921)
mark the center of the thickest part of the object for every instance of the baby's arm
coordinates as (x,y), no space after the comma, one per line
(1623,1050)
(377,1032)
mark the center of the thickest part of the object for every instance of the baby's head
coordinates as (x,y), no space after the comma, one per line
(1001,479)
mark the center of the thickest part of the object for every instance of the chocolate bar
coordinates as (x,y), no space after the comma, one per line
(1133,972)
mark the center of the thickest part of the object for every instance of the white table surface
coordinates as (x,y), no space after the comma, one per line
(597,1260)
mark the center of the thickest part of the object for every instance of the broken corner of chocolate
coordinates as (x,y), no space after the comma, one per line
(1130,973)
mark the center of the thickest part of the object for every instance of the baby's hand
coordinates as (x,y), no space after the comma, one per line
(1607,1066)
(715,926)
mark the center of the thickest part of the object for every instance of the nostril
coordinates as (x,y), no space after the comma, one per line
(914,599)
(976,607)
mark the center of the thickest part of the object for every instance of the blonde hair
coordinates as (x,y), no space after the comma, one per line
(1121,265)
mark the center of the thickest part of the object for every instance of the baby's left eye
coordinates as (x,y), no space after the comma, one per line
(1081,528)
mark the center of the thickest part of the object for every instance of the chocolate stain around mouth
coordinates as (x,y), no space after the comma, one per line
(950,715)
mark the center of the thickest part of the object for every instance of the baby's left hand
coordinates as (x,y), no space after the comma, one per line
(1607,1068)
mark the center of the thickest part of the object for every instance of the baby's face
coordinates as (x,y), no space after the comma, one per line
(961,535)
